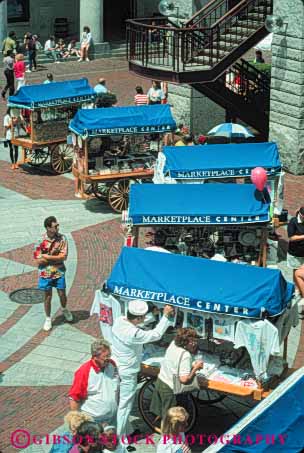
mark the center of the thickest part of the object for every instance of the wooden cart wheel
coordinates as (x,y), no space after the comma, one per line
(208,397)
(185,400)
(37,157)
(118,195)
(61,158)
(100,190)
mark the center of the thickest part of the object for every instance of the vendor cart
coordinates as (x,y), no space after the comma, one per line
(231,220)
(222,163)
(43,113)
(218,300)
(275,424)
(116,146)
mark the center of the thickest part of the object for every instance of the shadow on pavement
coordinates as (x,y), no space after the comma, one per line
(43,170)
(99,206)
(79,315)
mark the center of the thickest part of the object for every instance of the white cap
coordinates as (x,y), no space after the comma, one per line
(138,307)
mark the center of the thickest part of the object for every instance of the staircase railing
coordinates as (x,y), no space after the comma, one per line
(209,14)
(157,42)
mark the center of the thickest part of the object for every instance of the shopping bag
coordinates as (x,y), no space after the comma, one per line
(178,387)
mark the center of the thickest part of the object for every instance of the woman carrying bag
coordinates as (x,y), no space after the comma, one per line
(178,371)
(10,123)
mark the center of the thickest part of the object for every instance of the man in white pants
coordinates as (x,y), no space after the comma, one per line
(128,341)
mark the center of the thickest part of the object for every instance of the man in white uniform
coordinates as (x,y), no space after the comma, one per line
(128,341)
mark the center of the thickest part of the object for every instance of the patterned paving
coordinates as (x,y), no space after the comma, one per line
(37,367)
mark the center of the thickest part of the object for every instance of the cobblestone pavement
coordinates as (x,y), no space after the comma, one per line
(37,367)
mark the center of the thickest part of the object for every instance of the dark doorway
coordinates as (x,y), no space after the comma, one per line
(115,14)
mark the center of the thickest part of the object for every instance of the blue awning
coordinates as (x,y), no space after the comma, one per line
(196,204)
(123,120)
(199,284)
(52,94)
(221,161)
(274,425)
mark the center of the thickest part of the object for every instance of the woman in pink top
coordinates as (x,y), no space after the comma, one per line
(19,70)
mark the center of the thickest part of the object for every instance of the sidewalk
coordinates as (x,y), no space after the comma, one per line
(37,367)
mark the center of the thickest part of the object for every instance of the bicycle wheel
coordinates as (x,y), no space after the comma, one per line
(185,400)
(208,397)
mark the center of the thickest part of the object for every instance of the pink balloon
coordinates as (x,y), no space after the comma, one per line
(259,177)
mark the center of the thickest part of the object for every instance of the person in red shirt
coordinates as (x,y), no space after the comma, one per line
(95,386)
(19,70)
(140,98)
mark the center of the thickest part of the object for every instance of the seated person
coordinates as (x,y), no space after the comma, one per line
(73,419)
(88,438)
(60,48)
(159,243)
(50,49)
(72,50)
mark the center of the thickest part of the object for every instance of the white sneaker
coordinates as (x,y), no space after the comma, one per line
(87,59)
(67,314)
(47,324)
(80,59)
(78,195)
(57,61)
(28,70)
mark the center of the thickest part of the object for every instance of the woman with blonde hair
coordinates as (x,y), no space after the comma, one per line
(19,70)
(73,419)
(173,429)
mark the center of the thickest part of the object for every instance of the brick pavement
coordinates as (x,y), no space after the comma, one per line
(97,247)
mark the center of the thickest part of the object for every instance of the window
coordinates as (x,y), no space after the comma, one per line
(18,10)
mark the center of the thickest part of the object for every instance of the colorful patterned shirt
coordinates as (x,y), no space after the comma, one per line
(53,247)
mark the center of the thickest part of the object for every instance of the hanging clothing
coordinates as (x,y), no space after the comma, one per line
(108,309)
(224,327)
(261,339)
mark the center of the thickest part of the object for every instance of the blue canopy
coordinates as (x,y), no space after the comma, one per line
(199,284)
(220,161)
(196,204)
(52,94)
(123,120)
(274,425)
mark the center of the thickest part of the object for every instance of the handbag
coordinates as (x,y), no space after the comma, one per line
(178,387)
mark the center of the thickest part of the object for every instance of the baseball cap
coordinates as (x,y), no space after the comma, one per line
(138,307)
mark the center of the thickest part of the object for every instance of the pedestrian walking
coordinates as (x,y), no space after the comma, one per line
(140,98)
(8,67)
(155,93)
(19,70)
(85,44)
(73,419)
(49,78)
(9,43)
(173,428)
(30,46)
(95,387)
(9,124)
(50,255)
(128,341)
(295,253)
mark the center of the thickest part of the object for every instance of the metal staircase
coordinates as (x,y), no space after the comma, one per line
(245,94)
(202,50)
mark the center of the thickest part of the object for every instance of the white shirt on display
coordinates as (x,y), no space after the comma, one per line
(101,301)
(261,339)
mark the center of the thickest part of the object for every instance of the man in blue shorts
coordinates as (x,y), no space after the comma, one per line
(50,255)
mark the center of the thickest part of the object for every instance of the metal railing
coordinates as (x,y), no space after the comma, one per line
(159,43)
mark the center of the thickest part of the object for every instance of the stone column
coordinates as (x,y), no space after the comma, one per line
(91,14)
(287,85)
(3,20)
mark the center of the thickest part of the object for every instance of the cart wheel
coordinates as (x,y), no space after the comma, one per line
(100,190)
(208,397)
(185,400)
(118,195)
(37,157)
(61,158)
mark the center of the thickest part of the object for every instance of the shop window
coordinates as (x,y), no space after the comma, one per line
(18,10)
